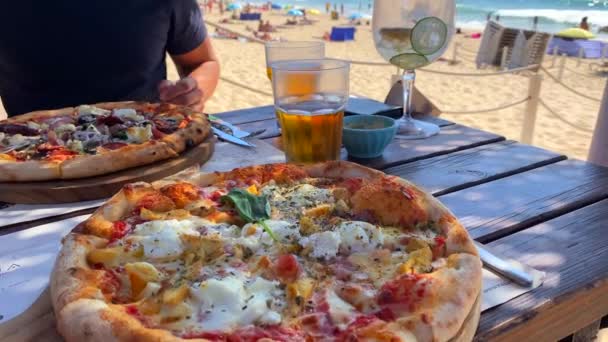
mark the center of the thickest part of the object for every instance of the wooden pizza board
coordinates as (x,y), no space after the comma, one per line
(86,189)
(38,324)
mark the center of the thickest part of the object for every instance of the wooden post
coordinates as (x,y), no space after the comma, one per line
(581,54)
(562,66)
(555,52)
(598,153)
(455,53)
(503,58)
(534,86)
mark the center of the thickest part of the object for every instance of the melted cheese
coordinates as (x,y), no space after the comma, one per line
(128,114)
(254,237)
(341,312)
(359,236)
(92,110)
(324,245)
(161,239)
(139,135)
(16,139)
(228,303)
(65,128)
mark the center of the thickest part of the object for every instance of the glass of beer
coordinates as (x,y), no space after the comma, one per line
(285,51)
(311,111)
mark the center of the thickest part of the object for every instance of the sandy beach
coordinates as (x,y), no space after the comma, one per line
(243,62)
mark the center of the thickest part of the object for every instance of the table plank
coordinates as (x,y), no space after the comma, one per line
(496,209)
(456,171)
(572,250)
(241,116)
(272,129)
(451,139)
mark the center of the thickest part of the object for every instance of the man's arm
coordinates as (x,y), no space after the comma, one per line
(200,71)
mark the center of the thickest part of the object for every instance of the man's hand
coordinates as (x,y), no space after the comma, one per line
(184,92)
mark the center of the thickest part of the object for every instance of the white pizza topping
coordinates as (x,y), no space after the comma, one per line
(91,110)
(65,128)
(17,139)
(139,135)
(324,245)
(229,302)
(341,312)
(128,114)
(75,145)
(359,236)
(161,239)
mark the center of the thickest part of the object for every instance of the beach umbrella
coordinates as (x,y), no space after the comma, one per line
(295,13)
(575,33)
(233,7)
(313,11)
(276,6)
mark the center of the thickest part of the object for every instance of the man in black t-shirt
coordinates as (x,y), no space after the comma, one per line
(63,53)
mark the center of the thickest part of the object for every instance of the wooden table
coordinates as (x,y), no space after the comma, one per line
(528,204)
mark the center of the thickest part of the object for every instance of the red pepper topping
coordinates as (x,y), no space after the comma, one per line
(119,230)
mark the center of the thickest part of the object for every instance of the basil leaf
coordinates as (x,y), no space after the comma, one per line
(251,208)
(122,135)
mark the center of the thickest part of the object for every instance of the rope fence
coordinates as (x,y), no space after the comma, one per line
(532,100)
(245,87)
(567,86)
(479,111)
(562,119)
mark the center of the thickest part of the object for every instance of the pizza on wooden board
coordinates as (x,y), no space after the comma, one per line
(93,140)
(280,252)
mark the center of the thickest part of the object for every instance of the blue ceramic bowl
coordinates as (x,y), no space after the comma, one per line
(366,136)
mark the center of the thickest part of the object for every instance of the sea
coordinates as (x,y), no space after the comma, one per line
(554,15)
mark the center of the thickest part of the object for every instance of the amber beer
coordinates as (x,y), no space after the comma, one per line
(309,98)
(311,137)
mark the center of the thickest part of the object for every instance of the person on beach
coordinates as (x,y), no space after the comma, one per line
(57,54)
(535,23)
(327,7)
(489,16)
(342,8)
(584,24)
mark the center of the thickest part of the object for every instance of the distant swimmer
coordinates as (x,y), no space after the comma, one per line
(584,24)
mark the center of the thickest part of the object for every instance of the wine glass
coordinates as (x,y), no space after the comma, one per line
(411,34)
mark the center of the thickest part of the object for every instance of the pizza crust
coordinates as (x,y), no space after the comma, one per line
(28,170)
(116,160)
(451,296)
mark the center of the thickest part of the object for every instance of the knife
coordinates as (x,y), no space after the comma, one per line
(239,133)
(231,138)
(504,268)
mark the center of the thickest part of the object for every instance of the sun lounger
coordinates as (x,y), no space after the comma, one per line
(497,37)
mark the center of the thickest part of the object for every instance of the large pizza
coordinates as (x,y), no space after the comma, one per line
(328,252)
(93,140)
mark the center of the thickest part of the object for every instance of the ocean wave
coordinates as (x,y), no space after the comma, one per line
(596,17)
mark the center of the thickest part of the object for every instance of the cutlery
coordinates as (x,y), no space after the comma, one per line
(503,268)
(230,138)
(228,127)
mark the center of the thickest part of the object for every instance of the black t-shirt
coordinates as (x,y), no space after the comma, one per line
(62,53)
